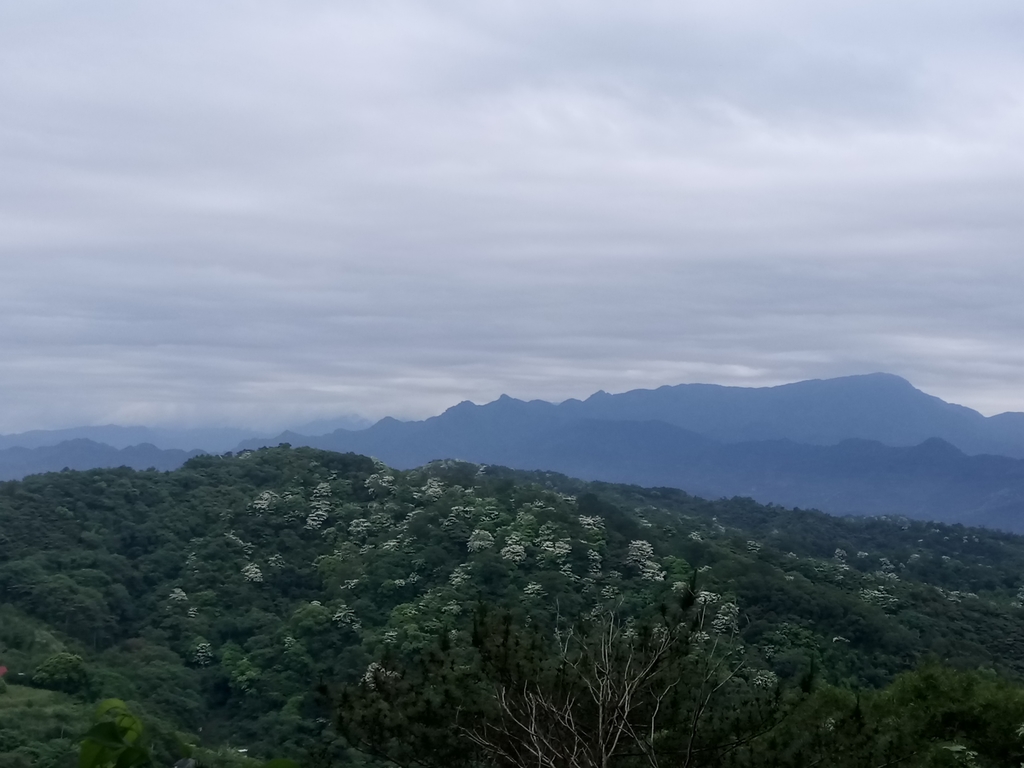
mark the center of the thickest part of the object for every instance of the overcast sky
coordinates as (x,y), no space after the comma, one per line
(259,212)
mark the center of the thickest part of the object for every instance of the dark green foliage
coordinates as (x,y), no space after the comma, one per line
(62,672)
(601,692)
(217,596)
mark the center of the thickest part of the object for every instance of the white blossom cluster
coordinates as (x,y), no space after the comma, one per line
(610,592)
(380,483)
(956,596)
(457,515)
(480,540)
(680,586)
(345,616)
(765,679)
(318,516)
(567,571)
(290,642)
(878,596)
(460,575)
(178,595)
(374,672)
(863,554)
(263,503)
(694,536)
(202,653)
(639,551)
(594,558)
(412,578)
(640,554)
(319,507)
(753,546)
(391,636)
(451,609)
(193,612)
(525,521)
(707,598)
(533,589)
(246,546)
(592,523)
(360,527)
(252,572)
(404,525)
(840,639)
(432,491)
(555,549)
(1019,602)
(490,514)
(629,629)
(276,561)
(726,621)
(840,555)
(391,545)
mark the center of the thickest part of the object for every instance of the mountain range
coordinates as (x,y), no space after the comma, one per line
(17,462)
(871,444)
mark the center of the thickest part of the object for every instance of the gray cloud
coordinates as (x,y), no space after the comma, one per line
(255,212)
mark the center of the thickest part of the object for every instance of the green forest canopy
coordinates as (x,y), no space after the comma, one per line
(214,598)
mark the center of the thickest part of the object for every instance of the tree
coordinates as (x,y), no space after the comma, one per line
(62,672)
(595,693)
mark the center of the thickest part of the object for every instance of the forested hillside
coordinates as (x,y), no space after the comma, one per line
(216,597)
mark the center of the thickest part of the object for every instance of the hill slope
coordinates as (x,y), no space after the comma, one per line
(931,481)
(216,595)
(878,407)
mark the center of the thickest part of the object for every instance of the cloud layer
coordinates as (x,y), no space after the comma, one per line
(256,212)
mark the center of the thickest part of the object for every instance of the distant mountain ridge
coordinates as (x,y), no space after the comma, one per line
(879,406)
(212,440)
(16,463)
(869,444)
(812,444)
(209,439)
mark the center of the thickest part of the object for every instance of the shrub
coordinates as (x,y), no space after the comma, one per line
(62,672)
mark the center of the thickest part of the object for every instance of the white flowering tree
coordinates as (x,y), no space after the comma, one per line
(593,694)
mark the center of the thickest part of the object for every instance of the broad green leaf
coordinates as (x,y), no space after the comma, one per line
(131,727)
(112,706)
(106,735)
(93,755)
(133,757)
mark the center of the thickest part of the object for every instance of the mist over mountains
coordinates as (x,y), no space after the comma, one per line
(18,462)
(869,444)
(210,440)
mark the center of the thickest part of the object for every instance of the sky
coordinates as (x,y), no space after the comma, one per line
(250,213)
